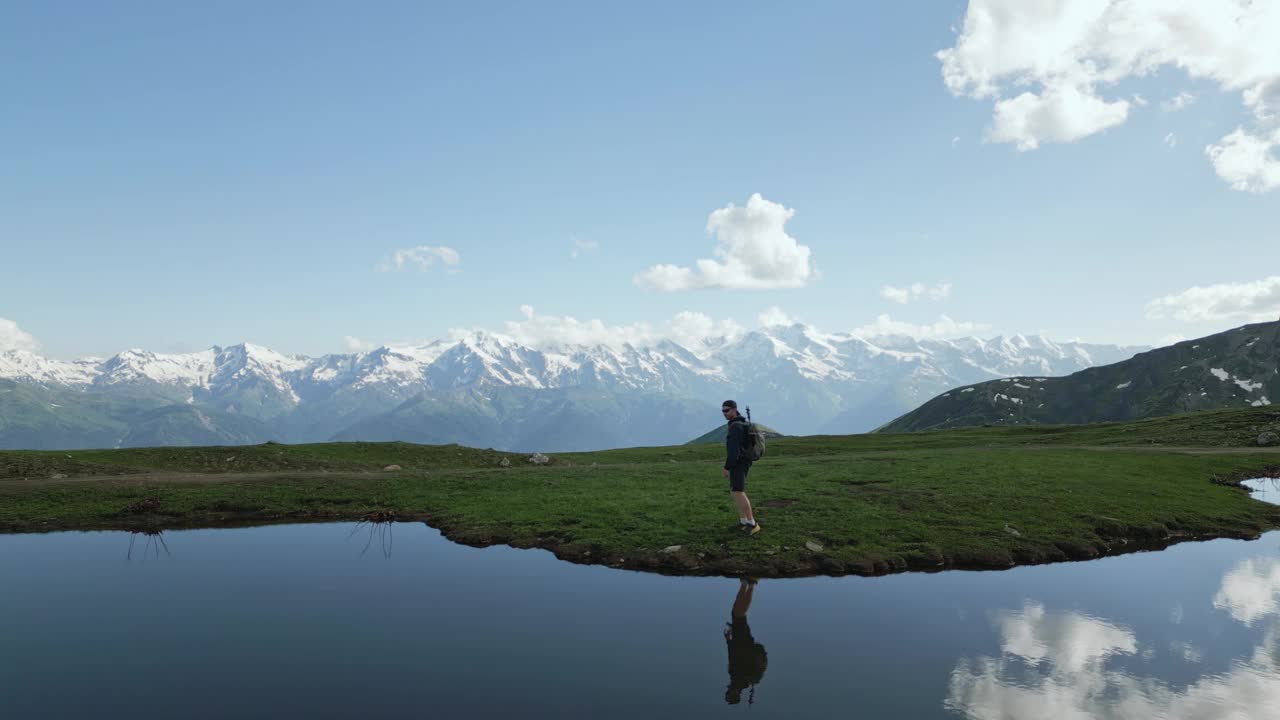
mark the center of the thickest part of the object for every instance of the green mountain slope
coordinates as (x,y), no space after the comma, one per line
(568,419)
(185,425)
(1233,369)
(40,419)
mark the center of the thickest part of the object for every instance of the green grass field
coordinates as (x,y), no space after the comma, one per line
(979,497)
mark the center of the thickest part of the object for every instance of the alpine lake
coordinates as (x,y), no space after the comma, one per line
(342,620)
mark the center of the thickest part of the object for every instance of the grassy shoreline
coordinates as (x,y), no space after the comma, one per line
(982,498)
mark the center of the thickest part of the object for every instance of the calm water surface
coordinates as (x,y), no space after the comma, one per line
(339,620)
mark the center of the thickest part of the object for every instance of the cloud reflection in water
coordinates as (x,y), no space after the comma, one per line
(1053,665)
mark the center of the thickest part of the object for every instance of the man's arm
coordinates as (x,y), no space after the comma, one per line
(733,445)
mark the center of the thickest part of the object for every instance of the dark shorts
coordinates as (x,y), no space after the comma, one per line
(738,477)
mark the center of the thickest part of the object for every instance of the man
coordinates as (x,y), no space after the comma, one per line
(747,658)
(737,465)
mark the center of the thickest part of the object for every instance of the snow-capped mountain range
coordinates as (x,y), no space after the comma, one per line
(799,380)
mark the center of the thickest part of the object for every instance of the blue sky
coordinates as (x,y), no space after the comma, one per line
(181,176)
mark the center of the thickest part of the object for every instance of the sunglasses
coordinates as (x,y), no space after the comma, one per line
(725,410)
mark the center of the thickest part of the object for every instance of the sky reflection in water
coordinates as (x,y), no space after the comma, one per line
(380,620)
(1068,664)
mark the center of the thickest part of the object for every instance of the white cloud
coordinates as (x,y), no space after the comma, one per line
(546,331)
(424,256)
(944,327)
(898,295)
(355,344)
(691,329)
(1060,114)
(941,291)
(916,291)
(1055,666)
(753,252)
(1139,100)
(550,330)
(1264,100)
(1248,302)
(1251,590)
(582,247)
(1171,140)
(13,337)
(955,141)
(1072,642)
(1045,65)
(1248,162)
(1181,101)
(774,316)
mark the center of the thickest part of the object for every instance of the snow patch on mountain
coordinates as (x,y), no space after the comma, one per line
(27,366)
(1224,376)
(1248,386)
(177,370)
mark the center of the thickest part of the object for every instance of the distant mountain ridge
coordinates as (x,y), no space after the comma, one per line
(488,390)
(1236,368)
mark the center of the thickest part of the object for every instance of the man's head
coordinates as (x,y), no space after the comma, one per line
(730,409)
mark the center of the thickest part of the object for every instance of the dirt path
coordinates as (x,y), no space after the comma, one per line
(161,476)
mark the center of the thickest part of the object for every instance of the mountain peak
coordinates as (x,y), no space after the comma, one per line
(486,341)
(246,353)
(27,366)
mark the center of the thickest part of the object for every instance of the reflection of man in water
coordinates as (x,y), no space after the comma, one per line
(747,658)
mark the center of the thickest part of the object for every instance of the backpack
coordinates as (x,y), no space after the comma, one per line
(753,444)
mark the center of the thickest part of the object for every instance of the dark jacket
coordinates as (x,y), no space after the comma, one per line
(734,441)
(747,658)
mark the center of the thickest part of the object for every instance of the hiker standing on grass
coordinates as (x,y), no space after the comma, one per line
(737,465)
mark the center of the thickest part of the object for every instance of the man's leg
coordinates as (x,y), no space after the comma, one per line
(744,506)
(743,601)
(738,484)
